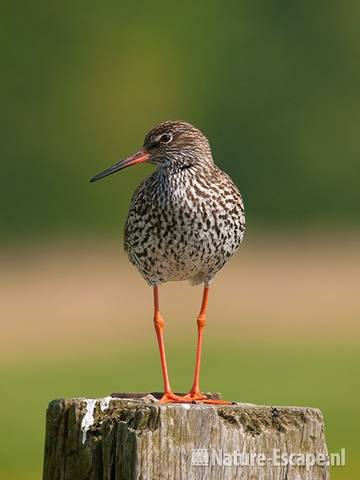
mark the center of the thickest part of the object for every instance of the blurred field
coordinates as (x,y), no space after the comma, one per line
(275,87)
(283,329)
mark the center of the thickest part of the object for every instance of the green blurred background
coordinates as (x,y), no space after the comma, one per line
(275,87)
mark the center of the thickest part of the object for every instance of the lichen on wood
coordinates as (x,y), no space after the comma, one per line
(138,438)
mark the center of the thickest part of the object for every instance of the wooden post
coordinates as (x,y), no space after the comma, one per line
(138,438)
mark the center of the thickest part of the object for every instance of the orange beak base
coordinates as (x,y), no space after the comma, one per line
(140,157)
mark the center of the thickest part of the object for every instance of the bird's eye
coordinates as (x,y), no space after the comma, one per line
(166,138)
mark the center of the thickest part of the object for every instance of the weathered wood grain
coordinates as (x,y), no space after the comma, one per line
(123,439)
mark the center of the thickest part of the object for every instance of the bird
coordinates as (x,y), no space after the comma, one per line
(185,221)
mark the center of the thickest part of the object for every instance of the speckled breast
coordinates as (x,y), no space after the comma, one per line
(184,225)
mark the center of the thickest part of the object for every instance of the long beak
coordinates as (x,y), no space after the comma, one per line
(139,157)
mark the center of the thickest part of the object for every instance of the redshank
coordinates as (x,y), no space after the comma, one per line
(185,221)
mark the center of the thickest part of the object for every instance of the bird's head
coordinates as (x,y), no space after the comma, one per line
(171,144)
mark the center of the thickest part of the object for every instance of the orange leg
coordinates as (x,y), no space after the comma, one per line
(195,393)
(169,395)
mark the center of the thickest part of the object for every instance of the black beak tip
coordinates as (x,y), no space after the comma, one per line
(96,178)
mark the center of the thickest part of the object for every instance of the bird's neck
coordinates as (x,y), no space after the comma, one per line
(187,164)
(175,181)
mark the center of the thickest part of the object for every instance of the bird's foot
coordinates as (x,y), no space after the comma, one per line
(192,397)
(198,397)
(170,397)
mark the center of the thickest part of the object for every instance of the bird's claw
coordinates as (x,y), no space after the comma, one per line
(198,397)
(170,397)
(192,397)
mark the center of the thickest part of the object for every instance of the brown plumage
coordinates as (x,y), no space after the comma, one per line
(186,219)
